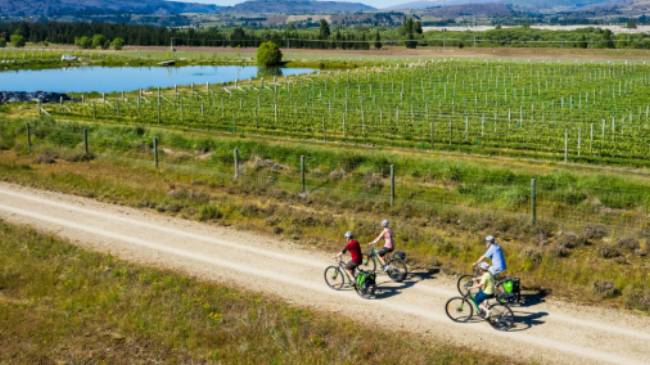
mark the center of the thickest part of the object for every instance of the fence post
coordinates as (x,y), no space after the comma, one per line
(533,201)
(392,184)
(566,145)
(302,173)
(236,159)
(86,149)
(155,151)
(29,138)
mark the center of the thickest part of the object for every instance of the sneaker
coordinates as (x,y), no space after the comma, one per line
(482,313)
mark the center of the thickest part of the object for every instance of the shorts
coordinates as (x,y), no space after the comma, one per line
(480,297)
(384,250)
(351,265)
(495,270)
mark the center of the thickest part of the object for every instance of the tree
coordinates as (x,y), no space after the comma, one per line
(82,42)
(117,43)
(269,54)
(99,41)
(237,37)
(3,41)
(324,32)
(408,27)
(631,24)
(17,40)
(418,27)
(378,44)
(583,42)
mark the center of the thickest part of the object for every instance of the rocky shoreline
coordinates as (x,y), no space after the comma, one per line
(22,96)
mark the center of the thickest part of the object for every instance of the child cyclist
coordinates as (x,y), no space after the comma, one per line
(485,286)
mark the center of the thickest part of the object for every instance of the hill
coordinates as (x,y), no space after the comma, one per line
(297,7)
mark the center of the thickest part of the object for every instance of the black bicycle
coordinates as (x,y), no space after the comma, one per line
(395,268)
(462,309)
(508,289)
(364,282)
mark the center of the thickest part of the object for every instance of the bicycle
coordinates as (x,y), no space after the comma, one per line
(507,287)
(462,309)
(337,276)
(396,268)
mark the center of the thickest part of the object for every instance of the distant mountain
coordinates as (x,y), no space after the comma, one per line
(487,10)
(297,7)
(72,8)
(531,5)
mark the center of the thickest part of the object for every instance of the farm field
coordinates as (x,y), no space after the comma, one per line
(465,139)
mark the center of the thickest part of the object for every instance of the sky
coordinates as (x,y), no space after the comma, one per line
(374,3)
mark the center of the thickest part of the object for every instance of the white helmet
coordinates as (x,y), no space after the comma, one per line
(484,265)
(348,235)
(385,223)
(490,239)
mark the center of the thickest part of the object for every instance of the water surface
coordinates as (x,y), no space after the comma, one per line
(113,79)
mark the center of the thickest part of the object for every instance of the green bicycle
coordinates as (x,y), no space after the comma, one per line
(337,277)
(462,309)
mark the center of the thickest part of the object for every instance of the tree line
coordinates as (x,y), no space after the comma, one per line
(410,34)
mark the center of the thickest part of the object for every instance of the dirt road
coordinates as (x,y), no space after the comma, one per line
(548,332)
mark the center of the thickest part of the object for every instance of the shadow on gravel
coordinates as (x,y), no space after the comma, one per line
(387,288)
(531,298)
(525,320)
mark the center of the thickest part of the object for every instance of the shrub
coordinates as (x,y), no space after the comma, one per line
(99,41)
(595,231)
(605,289)
(117,43)
(609,252)
(3,42)
(209,212)
(18,40)
(629,243)
(269,54)
(82,42)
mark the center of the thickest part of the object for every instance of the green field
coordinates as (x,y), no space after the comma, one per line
(580,112)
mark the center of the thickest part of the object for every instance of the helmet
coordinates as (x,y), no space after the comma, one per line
(348,234)
(385,223)
(484,265)
(490,239)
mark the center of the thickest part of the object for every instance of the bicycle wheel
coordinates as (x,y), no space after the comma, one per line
(464,283)
(397,270)
(366,291)
(334,277)
(459,309)
(501,317)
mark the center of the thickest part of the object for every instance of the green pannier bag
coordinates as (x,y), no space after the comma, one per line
(508,286)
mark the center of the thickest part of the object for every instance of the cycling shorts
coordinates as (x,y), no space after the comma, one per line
(384,250)
(351,265)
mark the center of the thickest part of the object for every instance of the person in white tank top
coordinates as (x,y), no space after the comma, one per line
(389,241)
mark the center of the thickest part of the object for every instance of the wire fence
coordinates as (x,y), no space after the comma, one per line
(463,195)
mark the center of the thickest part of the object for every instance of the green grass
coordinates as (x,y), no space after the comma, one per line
(60,303)
(444,203)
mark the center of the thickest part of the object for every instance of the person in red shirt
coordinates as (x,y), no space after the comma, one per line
(354,248)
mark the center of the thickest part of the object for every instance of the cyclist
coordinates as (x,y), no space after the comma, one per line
(496,256)
(389,242)
(485,285)
(354,248)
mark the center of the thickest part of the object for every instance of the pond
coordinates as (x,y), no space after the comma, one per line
(115,79)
